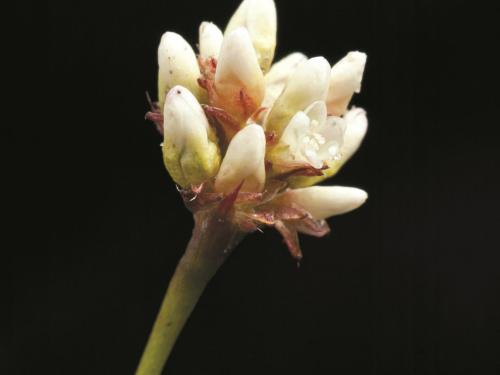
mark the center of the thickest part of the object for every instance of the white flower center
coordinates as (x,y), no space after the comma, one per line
(313,138)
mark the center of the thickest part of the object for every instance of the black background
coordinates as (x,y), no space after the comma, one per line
(408,284)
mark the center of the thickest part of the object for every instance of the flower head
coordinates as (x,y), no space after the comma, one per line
(278,129)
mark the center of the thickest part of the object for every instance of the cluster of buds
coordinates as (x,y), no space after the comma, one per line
(254,137)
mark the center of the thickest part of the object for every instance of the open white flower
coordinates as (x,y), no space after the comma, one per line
(312,137)
(277,135)
(355,125)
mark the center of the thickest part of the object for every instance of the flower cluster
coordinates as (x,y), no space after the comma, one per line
(258,135)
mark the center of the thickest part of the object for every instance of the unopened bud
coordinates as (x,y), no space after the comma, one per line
(277,76)
(345,80)
(177,66)
(259,17)
(210,39)
(323,202)
(244,162)
(190,149)
(239,82)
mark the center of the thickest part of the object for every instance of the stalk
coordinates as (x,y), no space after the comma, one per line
(211,243)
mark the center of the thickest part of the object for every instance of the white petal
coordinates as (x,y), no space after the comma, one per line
(259,17)
(345,80)
(184,119)
(210,39)
(356,127)
(272,93)
(237,60)
(238,69)
(304,142)
(177,66)
(308,83)
(279,72)
(325,201)
(333,132)
(317,112)
(244,161)
(295,131)
(276,77)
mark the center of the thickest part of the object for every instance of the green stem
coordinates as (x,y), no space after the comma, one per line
(211,243)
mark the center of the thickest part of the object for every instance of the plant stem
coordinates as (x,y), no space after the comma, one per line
(211,243)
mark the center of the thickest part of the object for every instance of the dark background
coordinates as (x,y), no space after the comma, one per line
(408,284)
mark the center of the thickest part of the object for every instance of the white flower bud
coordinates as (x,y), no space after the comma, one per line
(345,80)
(239,82)
(177,66)
(307,84)
(244,162)
(277,76)
(325,201)
(210,39)
(259,17)
(281,69)
(355,125)
(190,150)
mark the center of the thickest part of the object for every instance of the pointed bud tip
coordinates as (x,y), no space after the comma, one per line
(172,44)
(237,58)
(358,196)
(282,69)
(317,68)
(357,57)
(179,94)
(239,35)
(170,37)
